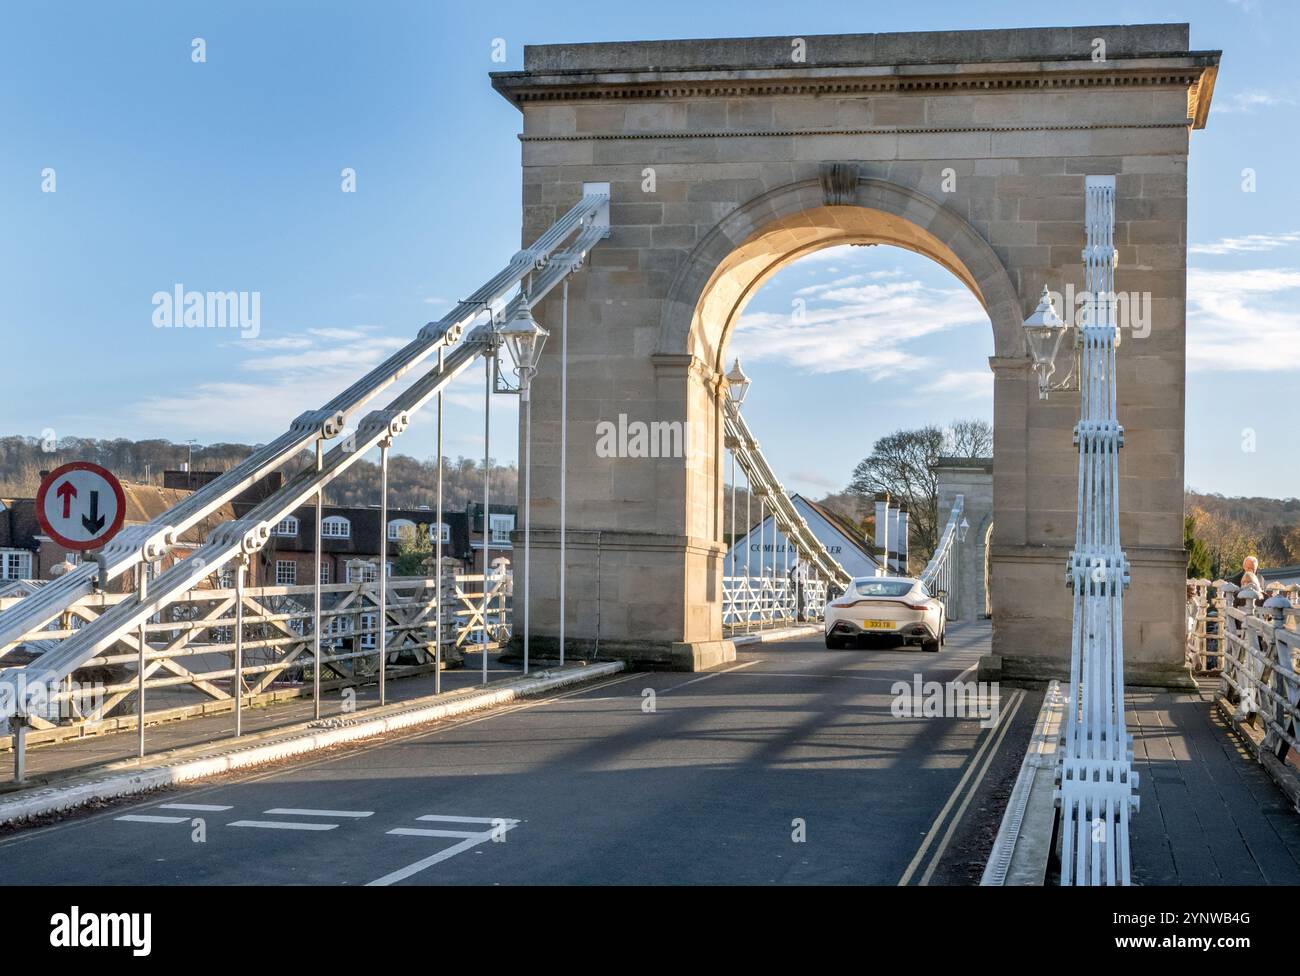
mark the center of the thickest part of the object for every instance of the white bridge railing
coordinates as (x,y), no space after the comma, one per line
(190,648)
(1252,641)
(758,602)
(940,572)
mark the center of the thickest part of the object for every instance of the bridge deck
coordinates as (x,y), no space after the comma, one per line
(711,785)
(706,787)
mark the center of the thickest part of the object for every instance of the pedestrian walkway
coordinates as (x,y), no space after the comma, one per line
(1210,814)
(48,763)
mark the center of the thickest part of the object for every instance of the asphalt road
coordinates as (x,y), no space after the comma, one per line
(786,767)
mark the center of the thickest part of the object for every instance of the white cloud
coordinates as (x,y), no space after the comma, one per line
(1252,100)
(289,374)
(971,384)
(861,327)
(1248,243)
(1243,320)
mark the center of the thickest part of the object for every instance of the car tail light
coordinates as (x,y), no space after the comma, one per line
(917,606)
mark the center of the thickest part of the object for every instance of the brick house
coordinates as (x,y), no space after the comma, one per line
(27,553)
(349,543)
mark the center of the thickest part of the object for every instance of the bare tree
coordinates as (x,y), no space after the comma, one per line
(902,465)
(969,439)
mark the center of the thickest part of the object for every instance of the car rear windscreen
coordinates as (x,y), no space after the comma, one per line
(872,587)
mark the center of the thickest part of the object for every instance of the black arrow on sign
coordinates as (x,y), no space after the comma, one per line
(94,521)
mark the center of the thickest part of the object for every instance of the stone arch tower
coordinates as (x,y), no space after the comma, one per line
(728,159)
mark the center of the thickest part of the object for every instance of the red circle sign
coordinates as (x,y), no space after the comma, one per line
(80,505)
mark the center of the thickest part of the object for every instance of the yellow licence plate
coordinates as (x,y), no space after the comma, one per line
(878,624)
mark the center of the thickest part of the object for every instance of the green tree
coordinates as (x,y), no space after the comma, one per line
(1199,562)
(415,553)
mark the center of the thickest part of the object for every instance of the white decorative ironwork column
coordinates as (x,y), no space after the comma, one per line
(1098,784)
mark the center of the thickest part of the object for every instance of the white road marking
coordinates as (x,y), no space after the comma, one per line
(1005,718)
(970,795)
(202,807)
(443,818)
(296,812)
(470,841)
(427,832)
(146,818)
(281,825)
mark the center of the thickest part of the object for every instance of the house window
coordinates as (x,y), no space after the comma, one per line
(368,630)
(362,573)
(286,526)
(400,528)
(501,526)
(226,577)
(15,564)
(286,572)
(324,572)
(336,527)
(442,529)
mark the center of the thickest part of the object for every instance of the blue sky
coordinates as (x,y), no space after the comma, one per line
(225,175)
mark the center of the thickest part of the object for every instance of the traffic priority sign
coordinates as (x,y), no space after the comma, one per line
(80,505)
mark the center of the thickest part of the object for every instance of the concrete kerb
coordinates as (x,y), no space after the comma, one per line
(126,778)
(785,633)
(1023,847)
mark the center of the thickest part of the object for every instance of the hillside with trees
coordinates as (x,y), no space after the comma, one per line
(1220,532)
(410,480)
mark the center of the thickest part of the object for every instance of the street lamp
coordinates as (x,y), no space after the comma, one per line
(737,383)
(523,339)
(962,529)
(1044,331)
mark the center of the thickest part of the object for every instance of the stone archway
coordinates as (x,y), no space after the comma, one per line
(725,158)
(769,232)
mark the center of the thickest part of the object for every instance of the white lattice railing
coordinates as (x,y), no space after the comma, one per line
(940,571)
(1207,604)
(756,602)
(1258,647)
(190,649)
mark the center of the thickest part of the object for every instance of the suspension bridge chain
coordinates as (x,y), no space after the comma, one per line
(763,483)
(545,264)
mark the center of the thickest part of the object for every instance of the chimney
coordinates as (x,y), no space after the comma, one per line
(882,535)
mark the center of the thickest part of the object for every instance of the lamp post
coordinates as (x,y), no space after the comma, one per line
(1098,784)
(1044,331)
(523,339)
(737,387)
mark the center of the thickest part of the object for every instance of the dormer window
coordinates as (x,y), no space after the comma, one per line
(336,527)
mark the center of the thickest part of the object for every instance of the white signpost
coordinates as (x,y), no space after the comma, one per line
(80,505)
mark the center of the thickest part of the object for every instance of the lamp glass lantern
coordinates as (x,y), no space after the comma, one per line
(962,529)
(523,339)
(1044,332)
(737,383)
